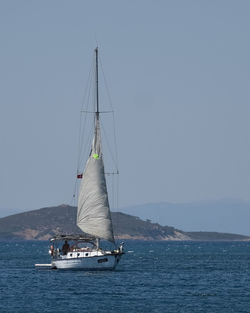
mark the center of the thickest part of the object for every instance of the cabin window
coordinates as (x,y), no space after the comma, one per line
(70,254)
(102,260)
(78,254)
(86,254)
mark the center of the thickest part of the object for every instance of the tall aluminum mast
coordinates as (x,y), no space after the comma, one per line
(97,92)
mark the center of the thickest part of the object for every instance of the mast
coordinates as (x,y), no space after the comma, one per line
(97,113)
(97,91)
(93,211)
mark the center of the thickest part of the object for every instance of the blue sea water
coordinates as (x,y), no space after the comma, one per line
(152,277)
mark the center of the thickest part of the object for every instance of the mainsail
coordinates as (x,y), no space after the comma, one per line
(93,213)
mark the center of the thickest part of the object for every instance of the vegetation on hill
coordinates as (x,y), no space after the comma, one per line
(44,223)
(205,236)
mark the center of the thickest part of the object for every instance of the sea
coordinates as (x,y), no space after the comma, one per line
(155,277)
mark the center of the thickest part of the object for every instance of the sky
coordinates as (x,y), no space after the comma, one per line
(178,73)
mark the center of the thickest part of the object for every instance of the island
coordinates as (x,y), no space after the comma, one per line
(42,224)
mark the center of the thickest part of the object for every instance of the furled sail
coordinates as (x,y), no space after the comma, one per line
(93,213)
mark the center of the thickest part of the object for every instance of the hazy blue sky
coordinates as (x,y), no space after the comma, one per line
(178,73)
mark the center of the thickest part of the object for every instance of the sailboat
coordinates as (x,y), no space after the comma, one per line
(93,214)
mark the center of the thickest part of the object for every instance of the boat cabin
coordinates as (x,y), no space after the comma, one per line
(73,246)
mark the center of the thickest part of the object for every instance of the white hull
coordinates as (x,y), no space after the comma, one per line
(104,262)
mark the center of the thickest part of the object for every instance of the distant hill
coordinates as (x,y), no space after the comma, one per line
(44,223)
(225,215)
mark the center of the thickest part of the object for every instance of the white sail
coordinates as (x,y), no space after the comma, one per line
(93,213)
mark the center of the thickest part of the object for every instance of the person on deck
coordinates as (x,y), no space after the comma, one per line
(65,247)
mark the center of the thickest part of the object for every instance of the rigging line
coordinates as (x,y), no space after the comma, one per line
(87,143)
(84,155)
(113,189)
(109,148)
(106,85)
(88,81)
(112,108)
(114,131)
(81,142)
(88,101)
(87,150)
(84,102)
(82,130)
(116,191)
(87,136)
(73,201)
(117,194)
(115,141)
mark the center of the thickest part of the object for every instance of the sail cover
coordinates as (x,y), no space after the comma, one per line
(93,213)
